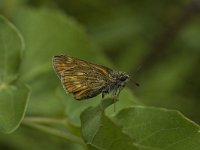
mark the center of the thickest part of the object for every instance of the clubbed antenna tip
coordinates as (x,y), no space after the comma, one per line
(137,84)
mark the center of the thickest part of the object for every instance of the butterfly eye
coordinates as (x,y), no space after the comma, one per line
(124,78)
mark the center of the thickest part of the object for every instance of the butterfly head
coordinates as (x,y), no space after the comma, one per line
(121,78)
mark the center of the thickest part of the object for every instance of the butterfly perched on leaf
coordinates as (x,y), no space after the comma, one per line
(86,80)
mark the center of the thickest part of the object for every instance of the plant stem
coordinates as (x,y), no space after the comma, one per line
(46,120)
(35,122)
(62,121)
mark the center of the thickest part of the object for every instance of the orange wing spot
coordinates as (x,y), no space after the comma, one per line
(101,69)
(79,95)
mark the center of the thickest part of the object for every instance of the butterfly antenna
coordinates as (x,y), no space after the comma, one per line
(137,84)
(137,69)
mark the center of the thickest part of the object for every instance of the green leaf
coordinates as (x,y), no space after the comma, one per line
(74,108)
(99,132)
(125,99)
(143,128)
(13,103)
(159,129)
(13,97)
(11,46)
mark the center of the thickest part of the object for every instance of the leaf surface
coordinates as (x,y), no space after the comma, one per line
(13,96)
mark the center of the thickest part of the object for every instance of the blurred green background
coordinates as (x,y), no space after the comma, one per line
(156,42)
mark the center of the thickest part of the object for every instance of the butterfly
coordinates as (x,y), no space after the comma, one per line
(85,80)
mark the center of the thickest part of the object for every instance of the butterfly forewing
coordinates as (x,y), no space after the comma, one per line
(82,79)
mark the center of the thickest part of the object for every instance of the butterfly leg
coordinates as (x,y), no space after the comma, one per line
(102,97)
(115,96)
(105,91)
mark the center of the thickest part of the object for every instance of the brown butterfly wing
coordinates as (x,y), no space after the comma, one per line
(82,79)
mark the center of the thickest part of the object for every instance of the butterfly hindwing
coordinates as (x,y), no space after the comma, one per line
(82,79)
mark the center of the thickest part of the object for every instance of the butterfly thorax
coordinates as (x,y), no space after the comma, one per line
(116,82)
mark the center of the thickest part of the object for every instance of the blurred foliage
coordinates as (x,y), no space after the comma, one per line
(139,128)
(156,42)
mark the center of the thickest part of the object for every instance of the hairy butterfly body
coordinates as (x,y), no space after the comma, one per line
(86,80)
